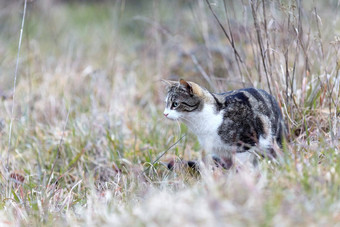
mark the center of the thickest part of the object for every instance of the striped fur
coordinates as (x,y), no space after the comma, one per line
(234,122)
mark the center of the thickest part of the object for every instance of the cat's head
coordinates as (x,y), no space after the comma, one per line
(182,99)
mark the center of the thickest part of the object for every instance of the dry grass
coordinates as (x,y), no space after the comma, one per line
(88,112)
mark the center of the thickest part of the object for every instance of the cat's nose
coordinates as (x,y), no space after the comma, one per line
(166,114)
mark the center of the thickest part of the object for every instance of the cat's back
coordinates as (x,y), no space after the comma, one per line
(256,101)
(250,115)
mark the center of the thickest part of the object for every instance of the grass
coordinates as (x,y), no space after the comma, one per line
(88,125)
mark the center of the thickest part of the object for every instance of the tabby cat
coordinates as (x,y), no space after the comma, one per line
(236,126)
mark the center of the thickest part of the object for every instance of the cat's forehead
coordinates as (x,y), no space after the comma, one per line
(180,91)
(175,88)
(177,92)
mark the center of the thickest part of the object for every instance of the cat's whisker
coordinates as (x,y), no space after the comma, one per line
(178,127)
(196,127)
(188,120)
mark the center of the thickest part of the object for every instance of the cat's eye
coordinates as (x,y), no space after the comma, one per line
(175,104)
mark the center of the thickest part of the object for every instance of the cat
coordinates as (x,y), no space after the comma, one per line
(235,126)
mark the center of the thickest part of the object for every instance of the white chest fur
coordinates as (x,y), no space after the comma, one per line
(205,125)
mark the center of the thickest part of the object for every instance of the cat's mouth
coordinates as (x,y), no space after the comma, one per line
(170,115)
(170,118)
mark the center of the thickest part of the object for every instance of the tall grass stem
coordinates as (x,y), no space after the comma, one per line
(14,86)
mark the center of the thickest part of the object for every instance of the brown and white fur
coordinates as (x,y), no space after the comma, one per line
(234,127)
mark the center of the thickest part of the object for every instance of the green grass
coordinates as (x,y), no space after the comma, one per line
(100,64)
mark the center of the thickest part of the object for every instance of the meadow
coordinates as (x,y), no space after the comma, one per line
(83,139)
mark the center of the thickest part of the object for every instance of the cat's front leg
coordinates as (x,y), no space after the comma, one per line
(224,162)
(183,163)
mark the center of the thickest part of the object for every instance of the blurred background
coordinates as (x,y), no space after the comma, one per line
(88,102)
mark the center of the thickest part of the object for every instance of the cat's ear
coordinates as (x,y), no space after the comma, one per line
(187,86)
(169,83)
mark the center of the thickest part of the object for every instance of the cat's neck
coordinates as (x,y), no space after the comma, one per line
(207,120)
(205,125)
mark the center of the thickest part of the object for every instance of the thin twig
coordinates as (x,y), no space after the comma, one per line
(329,90)
(260,42)
(202,71)
(267,37)
(286,56)
(237,56)
(163,153)
(14,86)
(233,42)
(224,31)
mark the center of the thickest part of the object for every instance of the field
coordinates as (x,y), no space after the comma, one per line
(83,139)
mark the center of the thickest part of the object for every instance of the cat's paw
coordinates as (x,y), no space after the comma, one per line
(225,163)
(171,165)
